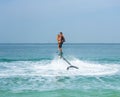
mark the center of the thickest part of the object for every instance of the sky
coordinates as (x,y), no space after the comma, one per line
(39,21)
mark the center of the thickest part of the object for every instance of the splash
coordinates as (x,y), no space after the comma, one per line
(57,67)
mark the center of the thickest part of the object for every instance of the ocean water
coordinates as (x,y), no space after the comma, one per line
(35,70)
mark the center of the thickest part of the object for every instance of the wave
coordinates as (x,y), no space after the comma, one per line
(56,67)
(47,75)
(12,60)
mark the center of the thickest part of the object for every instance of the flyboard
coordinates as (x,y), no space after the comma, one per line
(70,65)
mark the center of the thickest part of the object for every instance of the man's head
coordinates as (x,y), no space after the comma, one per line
(60,32)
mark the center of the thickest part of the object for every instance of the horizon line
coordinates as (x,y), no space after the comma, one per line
(64,43)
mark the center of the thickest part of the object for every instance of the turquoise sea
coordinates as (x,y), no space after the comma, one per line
(35,70)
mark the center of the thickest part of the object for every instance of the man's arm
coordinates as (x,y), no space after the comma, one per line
(63,39)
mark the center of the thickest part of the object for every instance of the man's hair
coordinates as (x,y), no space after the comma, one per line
(60,32)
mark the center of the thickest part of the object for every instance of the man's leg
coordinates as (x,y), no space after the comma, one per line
(60,50)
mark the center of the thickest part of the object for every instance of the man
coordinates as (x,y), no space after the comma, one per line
(60,39)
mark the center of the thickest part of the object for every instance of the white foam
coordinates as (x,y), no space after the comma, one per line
(57,67)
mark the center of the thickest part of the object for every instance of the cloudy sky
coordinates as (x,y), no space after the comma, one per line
(39,21)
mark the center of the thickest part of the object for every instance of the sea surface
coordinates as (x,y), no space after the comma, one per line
(35,70)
